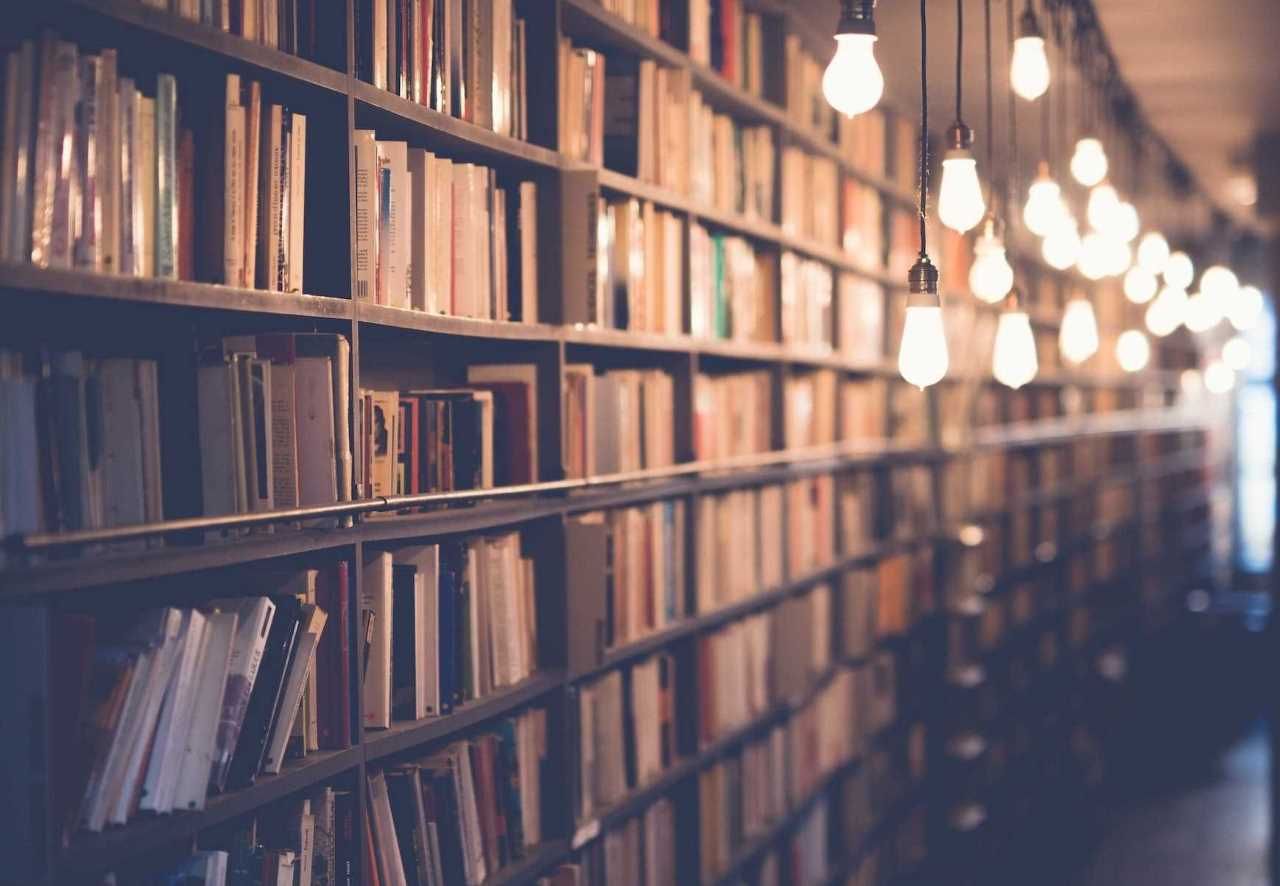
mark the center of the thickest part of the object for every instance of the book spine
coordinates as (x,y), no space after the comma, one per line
(297,200)
(166,205)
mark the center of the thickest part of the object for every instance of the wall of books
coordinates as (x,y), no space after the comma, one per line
(457,441)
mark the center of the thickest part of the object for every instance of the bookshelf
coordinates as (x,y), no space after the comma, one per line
(914,785)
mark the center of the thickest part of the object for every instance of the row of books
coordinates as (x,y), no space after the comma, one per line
(860,313)
(806,105)
(627,732)
(288,25)
(862,223)
(176,703)
(732,414)
(732,163)
(272,415)
(617,421)
(647,110)
(726,37)
(446,439)
(447,624)
(864,409)
(731,287)
(441,236)
(628,579)
(650,16)
(457,57)
(641,274)
(911,498)
(461,814)
(806,300)
(310,841)
(809,401)
(811,524)
(639,852)
(739,545)
(810,196)
(79,442)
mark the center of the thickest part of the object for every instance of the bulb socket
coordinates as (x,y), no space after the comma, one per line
(1028,24)
(922,280)
(857,17)
(959,136)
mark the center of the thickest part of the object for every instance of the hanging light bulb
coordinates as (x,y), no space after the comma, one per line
(1236,353)
(1132,350)
(1089,162)
(1029,69)
(1061,248)
(960,203)
(1014,361)
(922,355)
(1094,262)
(1202,313)
(1166,312)
(1153,252)
(1044,203)
(1103,204)
(1219,283)
(990,276)
(1218,377)
(1078,335)
(1179,271)
(1125,222)
(1140,284)
(1119,255)
(853,82)
(1244,310)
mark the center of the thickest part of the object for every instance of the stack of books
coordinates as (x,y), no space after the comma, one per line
(446,624)
(272,415)
(184,702)
(732,414)
(626,732)
(629,572)
(733,288)
(807,302)
(641,251)
(465,59)
(810,196)
(617,421)
(739,546)
(445,439)
(441,236)
(79,442)
(99,175)
(461,814)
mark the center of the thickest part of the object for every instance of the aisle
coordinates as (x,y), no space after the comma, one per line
(1210,832)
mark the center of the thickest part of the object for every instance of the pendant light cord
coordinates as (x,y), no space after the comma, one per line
(991,128)
(959,54)
(924,131)
(1011,181)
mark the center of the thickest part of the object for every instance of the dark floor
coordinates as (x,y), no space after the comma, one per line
(1209,832)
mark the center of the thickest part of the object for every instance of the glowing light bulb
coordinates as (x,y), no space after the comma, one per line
(1202,313)
(1061,248)
(1179,271)
(960,203)
(1125,223)
(1043,208)
(1014,361)
(1132,350)
(853,82)
(1236,353)
(990,277)
(1153,252)
(1218,377)
(1245,308)
(1094,262)
(1219,282)
(1089,162)
(1103,205)
(1119,256)
(1029,69)
(1078,335)
(1165,314)
(1140,284)
(1191,382)
(922,357)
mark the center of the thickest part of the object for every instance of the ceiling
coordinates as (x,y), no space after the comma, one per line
(1206,77)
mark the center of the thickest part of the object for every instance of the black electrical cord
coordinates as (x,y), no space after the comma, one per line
(924,131)
(959,54)
(1011,183)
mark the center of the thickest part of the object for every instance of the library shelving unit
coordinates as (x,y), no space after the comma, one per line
(1017,540)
